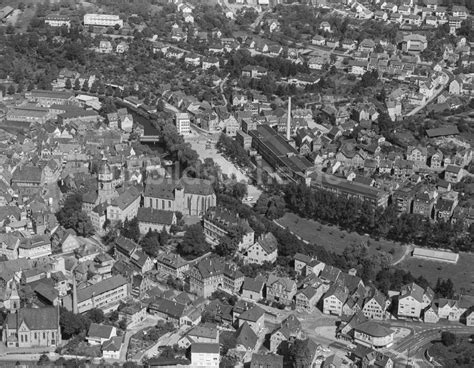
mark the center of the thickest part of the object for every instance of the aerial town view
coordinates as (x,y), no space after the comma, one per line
(237,183)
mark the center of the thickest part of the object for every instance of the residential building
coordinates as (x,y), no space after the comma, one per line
(171,265)
(266,361)
(209,274)
(375,306)
(334,299)
(307,298)
(98,334)
(419,155)
(9,244)
(255,318)
(470,317)
(207,334)
(111,348)
(453,174)
(32,327)
(289,329)
(254,71)
(188,195)
(452,309)
(205,355)
(132,313)
(430,314)
(37,246)
(280,289)
(253,288)
(183,123)
(170,310)
(413,299)
(265,249)
(219,222)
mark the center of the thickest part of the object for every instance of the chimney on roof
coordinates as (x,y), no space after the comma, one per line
(288,121)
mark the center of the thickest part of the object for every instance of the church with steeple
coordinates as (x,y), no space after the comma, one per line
(107,202)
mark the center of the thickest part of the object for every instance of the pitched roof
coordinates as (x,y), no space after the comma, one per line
(126,198)
(209,348)
(165,189)
(246,336)
(27,173)
(100,331)
(100,288)
(150,215)
(207,331)
(439,132)
(302,258)
(35,318)
(114,344)
(374,329)
(266,361)
(285,281)
(268,242)
(254,284)
(252,314)
(413,290)
(168,307)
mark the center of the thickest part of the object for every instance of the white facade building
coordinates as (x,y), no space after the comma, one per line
(103,20)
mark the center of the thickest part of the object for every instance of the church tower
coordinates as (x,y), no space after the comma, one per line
(14,298)
(106,190)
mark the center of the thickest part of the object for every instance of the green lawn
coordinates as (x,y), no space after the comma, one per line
(334,239)
(462,273)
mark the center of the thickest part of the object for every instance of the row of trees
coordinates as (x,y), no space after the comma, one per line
(355,215)
(233,150)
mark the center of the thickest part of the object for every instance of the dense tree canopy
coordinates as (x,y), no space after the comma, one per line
(71,216)
(194,243)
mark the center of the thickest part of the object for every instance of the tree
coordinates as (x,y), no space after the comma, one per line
(123,324)
(448,338)
(114,316)
(194,242)
(239,190)
(43,360)
(151,243)
(96,315)
(77,85)
(68,84)
(108,106)
(85,86)
(71,216)
(11,89)
(131,230)
(444,288)
(72,324)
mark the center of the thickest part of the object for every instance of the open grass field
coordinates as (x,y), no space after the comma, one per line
(462,273)
(334,239)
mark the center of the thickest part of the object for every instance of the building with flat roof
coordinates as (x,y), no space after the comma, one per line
(102,20)
(436,255)
(349,189)
(183,123)
(58,21)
